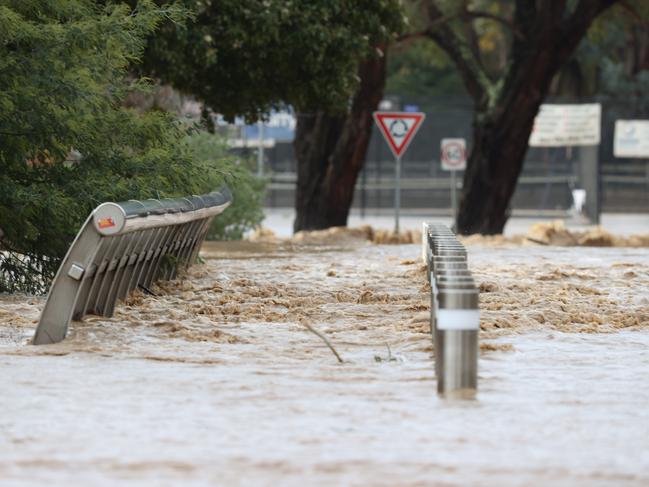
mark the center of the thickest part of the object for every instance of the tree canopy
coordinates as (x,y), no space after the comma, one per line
(242,57)
(612,59)
(421,69)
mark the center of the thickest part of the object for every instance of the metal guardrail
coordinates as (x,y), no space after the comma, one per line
(123,246)
(454,312)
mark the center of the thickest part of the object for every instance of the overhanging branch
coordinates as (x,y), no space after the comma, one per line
(637,16)
(584,14)
(459,50)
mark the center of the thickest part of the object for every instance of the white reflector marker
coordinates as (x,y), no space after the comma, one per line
(458,319)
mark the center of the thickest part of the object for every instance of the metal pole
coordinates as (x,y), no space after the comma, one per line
(456,341)
(397,194)
(589,180)
(454,196)
(260,151)
(363,189)
(379,177)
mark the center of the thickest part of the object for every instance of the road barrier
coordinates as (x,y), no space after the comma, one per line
(454,313)
(121,247)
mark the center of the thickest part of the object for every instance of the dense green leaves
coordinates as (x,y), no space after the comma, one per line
(66,144)
(245,212)
(421,69)
(613,59)
(244,56)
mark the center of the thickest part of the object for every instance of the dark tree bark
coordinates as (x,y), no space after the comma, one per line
(330,152)
(500,137)
(545,35)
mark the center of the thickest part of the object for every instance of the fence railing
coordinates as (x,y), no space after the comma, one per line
(122,247)
(454,312)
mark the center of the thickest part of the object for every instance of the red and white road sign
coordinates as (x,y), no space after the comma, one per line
(398,128)
(453,154)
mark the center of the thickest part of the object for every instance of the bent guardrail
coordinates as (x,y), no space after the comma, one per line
(123,246)
(454,313)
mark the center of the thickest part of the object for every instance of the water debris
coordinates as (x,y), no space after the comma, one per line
(324,339)
(146,290)
(340,236)
(389,358)
(555,233)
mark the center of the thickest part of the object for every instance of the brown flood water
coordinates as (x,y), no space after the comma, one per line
(217,381)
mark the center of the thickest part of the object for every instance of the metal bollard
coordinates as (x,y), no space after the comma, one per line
(455,317)
(443,266)
(456,342)
(444,286)
(437,263)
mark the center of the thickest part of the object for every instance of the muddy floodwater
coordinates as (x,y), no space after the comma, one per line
(217,380)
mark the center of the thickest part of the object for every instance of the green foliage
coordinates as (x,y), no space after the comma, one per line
(243,57)
(611,59)
(66,144)
(421,69)
(245,212)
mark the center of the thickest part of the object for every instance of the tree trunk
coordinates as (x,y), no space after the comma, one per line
(545,35)
(501,133)
(493,168)
(330,152)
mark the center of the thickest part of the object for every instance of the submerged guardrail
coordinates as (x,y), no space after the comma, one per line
(123,246)
(454,313)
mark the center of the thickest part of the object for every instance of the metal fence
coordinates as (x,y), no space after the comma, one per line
(122,247)
(546,183)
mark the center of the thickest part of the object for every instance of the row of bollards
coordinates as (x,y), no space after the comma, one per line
(454,313)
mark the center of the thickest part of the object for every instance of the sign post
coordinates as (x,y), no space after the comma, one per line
(398,129)
(397,194)
(453,159)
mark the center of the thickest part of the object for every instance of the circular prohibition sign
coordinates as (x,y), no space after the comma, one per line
(453,154)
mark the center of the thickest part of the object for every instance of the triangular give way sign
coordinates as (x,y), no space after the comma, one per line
(398,128)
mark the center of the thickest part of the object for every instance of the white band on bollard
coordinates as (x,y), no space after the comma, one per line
(458,319)
(425,249)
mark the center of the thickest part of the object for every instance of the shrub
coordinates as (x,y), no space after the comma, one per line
(245,212)
(67,144)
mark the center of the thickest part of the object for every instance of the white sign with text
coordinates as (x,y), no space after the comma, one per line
(567,125)
(631,138)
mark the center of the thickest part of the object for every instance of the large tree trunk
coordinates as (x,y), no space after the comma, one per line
(330,152)
(501,132)
(502,128)
(493,169)
(500,142)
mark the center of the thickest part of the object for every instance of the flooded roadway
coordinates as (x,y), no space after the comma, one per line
(217,381)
